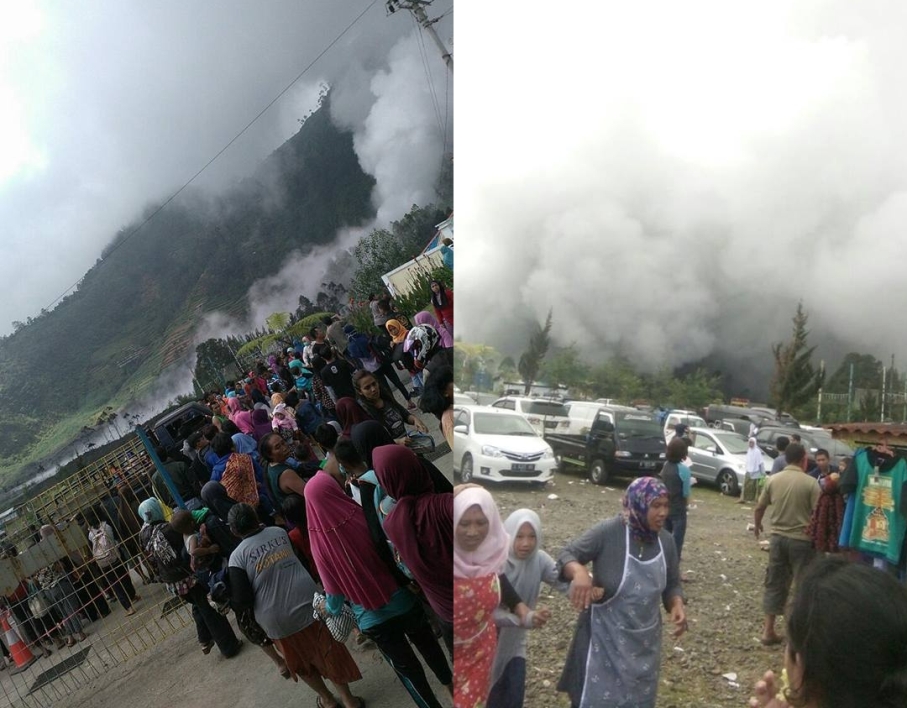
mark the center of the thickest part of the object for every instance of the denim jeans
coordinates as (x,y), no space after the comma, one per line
(676,524)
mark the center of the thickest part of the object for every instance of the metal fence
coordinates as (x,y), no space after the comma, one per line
(78,594)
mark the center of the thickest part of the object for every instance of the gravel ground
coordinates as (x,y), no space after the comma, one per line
(725,568)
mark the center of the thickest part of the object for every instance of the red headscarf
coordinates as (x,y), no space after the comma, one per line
(344,552)
(349,413)
(420,525)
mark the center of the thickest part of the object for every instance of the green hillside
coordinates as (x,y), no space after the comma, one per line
(134,312)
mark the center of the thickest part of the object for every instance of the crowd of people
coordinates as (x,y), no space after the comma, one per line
(635,581)
(305,476)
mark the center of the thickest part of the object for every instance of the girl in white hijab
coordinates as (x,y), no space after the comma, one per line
(527,568)
(755,472)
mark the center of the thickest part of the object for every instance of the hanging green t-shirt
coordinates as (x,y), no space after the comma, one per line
(878,526)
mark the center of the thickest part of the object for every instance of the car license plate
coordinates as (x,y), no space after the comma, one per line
(647,465)
(522,467)
(550,423)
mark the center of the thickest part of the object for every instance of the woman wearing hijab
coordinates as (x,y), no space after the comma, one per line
(617,642)
(755,473)
(420,525)
(164,546)
(480,552)
(239,415)
(527,568)
(397,332)
(261,423)
(237,472)
(426,318)
(386,612)
(267,577)
(349,413)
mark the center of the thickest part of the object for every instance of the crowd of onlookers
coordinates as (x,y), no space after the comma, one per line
(309,474)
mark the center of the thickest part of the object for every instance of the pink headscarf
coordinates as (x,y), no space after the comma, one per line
(241,417)
(343,550)
(490,557)
(426,318)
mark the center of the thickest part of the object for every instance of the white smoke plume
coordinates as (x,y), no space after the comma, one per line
(672,178)
(400,141)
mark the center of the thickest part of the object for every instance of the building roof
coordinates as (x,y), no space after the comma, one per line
(881,430)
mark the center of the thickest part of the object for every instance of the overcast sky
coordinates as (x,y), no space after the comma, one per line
(108,106)
(671,178)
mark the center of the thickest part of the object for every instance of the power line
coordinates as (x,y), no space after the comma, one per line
(428,77)
(223,149)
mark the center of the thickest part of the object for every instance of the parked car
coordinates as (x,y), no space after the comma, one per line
(719,457)
(812,439)
(543,414)
(499,446)
(675,417)
(462,399)
(620,441)
(172,429)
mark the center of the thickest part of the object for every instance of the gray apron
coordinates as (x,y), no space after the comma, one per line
(625,645)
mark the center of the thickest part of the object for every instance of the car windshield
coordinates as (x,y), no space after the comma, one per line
(544,408)
(491,424)
(694,421)
(733,443)
(638,425)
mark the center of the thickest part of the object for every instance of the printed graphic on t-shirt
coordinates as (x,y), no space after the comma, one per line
(877,495)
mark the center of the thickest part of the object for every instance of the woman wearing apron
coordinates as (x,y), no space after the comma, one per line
(615,655)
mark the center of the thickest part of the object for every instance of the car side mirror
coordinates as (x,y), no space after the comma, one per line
(712,450)
(462,429)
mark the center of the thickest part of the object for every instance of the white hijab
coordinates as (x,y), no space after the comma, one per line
(753,457)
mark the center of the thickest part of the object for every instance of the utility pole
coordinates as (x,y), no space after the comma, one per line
(417,8)
(850,393)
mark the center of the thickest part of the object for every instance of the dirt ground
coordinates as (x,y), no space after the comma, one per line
(724,595)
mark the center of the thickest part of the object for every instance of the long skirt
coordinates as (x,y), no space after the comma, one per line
(312,651)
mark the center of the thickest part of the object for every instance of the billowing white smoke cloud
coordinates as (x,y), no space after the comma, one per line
(672,178)
(399,141)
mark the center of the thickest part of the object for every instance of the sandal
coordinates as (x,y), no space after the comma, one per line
(206,648)
(284,671)
(774,641)
(70,642)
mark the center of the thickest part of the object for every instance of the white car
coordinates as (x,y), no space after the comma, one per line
(543,414)
(499,446)
(690,418)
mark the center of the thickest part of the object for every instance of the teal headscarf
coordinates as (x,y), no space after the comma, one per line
(150,511)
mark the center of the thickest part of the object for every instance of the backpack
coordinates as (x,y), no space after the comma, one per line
(103,547)
(168,561)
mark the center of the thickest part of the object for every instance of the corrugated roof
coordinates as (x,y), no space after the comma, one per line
(892,429)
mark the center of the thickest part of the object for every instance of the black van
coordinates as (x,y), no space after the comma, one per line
(173,428)
(620,441)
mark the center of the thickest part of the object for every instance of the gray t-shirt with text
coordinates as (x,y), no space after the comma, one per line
(283,588)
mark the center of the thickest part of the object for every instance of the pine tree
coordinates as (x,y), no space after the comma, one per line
(796,381)
(531,360)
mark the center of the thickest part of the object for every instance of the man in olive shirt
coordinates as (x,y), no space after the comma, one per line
(792,495)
